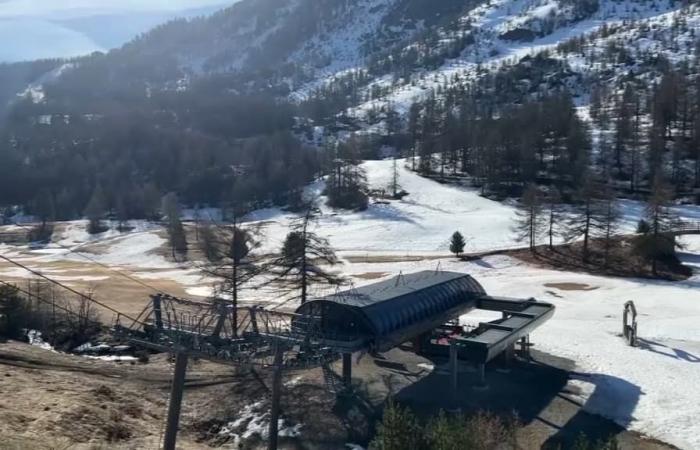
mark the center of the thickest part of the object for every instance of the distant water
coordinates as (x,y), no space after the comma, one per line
(28,38)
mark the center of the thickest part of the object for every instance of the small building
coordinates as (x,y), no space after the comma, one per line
(383,315)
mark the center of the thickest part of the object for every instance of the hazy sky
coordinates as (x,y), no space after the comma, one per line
(32,29)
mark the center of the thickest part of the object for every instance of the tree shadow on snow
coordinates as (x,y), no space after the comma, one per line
(665,350)
(387,212)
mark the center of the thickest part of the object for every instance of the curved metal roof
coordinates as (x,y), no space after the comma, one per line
(406,301)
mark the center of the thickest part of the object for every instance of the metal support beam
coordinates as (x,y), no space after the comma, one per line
(481,370)
(176,395)
(453,368)
(157,311)
(347,369)
(508,354)
(276,394)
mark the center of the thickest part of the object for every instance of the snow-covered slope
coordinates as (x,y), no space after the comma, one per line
(505,31)
(423,222)
(652,388)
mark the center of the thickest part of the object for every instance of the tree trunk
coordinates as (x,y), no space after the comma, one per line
(551,229)
(586,234)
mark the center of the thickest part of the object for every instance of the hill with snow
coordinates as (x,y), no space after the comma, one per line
(651,388)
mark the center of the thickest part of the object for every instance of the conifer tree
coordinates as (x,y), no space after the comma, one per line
(457,243)
(231,261)
(303,257)
(95,210)
(398,430)
(176,231)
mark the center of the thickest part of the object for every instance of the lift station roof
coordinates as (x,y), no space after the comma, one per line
(391,311)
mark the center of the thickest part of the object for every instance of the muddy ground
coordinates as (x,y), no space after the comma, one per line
(52,400)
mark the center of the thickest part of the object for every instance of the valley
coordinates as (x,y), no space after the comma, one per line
(646,389)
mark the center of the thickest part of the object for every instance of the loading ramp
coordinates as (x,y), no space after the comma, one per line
(490,339)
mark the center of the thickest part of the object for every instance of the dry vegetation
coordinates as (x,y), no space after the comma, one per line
(621,261)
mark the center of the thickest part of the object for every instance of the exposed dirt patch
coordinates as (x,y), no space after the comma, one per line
(572,286)
(52,397)
(378,259)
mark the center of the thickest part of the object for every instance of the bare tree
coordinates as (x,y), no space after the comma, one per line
(530,218)
(394,184)
(658,243)
(553,215)
(176,231)
(610,218)
(588,216)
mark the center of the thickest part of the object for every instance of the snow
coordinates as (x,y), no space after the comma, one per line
(112,358)
(36,340)
(652,389)
(420,224)
(254,419)
(489,52)
(649,389)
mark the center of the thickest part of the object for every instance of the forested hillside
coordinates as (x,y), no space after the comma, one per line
(250,104)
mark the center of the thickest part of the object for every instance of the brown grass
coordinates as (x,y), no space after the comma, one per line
(572,286)
(622,261)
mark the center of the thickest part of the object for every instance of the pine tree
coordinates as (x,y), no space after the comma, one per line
(399,430)
(530,220)
(457,243)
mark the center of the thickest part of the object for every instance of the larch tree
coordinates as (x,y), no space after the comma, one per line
(394,185)
(530,218)
(658,244)
(176,231)
(304,260)
(587,218)
(229,250)
(553,215)
(95,210)
(610,218)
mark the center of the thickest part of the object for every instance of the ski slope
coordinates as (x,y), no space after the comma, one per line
(652,389)
(422,222)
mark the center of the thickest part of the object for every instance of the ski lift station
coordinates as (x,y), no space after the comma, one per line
(423,308)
